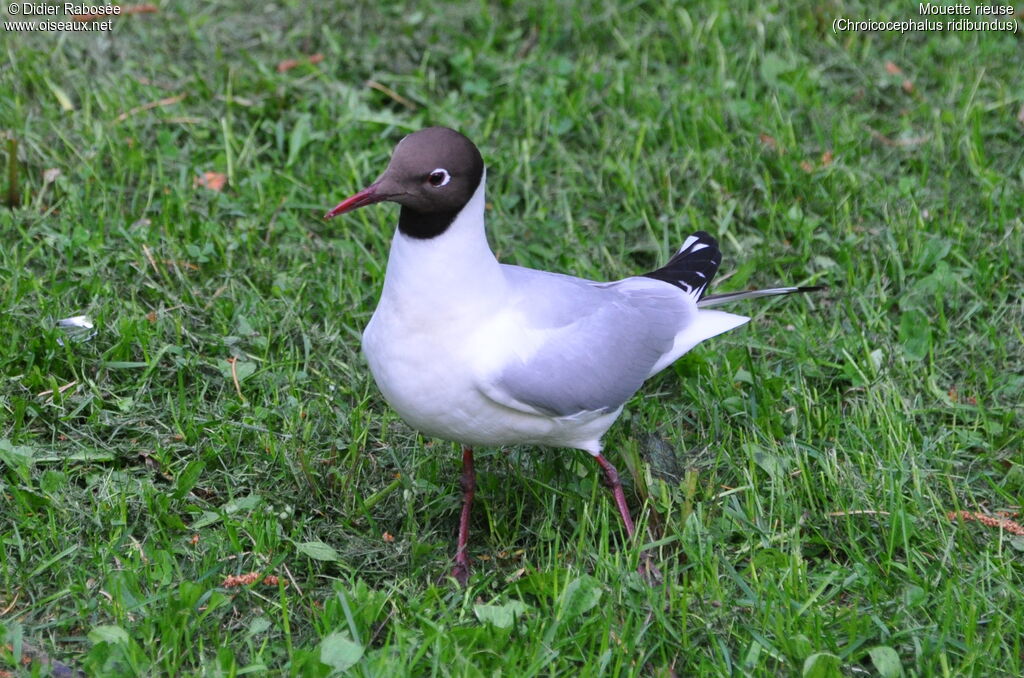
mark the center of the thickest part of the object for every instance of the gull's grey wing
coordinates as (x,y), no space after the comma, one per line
(591,345)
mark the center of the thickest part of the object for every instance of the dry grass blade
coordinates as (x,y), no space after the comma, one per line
(858,512)
(898,143)
(59,389)
(391,94)
(234,376)
(167,101)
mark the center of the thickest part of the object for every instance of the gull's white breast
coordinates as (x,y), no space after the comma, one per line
(430,370)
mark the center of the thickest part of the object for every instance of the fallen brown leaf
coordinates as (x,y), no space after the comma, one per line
(1005,524)
(233,581)
(769,141)
(289,64)
(204,493)
(126,10)
(212,180)
(515,576)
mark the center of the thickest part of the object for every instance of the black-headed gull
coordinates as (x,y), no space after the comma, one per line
(487,354)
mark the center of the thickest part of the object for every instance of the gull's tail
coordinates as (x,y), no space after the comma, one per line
(695,264)
(691,270)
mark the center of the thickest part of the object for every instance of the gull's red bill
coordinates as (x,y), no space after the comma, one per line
(367,196)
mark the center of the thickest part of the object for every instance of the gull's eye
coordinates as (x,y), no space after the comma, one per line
(439,178)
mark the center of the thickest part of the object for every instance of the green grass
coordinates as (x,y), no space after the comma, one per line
(798,471)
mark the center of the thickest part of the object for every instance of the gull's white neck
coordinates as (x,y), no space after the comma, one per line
(453,271)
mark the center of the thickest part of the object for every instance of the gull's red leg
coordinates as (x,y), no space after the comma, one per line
(468,482)
(612,477)
(647,568)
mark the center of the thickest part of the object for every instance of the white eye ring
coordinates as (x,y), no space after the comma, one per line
(439,177)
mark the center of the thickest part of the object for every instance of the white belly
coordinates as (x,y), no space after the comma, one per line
(428,373)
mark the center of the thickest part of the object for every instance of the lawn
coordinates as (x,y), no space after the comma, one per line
(209,483)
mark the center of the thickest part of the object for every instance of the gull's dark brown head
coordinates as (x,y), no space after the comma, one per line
(433,173)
